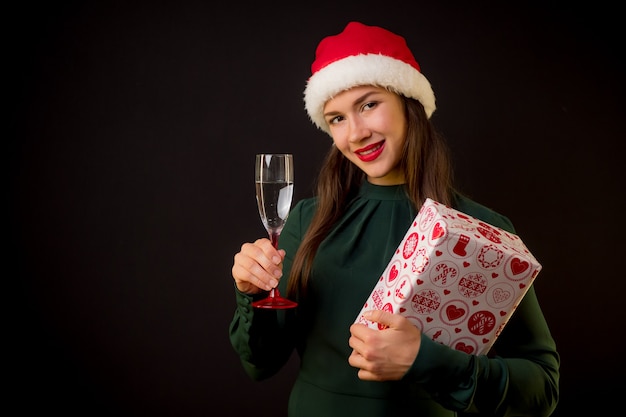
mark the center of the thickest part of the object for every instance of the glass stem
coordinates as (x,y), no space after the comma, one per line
(274,238)
(274,293)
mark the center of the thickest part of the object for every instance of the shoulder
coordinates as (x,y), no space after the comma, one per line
(466,205)
(297,223)
(305,207)
(303,211)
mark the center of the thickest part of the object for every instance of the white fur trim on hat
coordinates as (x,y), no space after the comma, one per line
(369,69)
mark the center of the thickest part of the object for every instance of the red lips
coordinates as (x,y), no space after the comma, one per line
(371,152)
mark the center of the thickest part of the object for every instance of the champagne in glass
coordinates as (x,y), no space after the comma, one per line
(274,193)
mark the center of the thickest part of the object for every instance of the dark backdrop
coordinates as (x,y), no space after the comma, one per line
(133,126)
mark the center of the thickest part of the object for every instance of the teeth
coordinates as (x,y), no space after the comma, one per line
(369,151)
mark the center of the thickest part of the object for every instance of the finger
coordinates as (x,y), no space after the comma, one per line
(384,318)
(355,359)
(247,270)
(249,283)
(255,274)
(365,368)
(359,333)
(363,341)
(274,255)
(265,255)
(366,375)
(356,337)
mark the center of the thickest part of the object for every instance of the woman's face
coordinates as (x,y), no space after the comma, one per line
(368,126)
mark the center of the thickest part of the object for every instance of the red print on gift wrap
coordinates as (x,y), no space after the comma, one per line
(472,285)
(444,274)
(489,232)
(517,268)
(481,322)
(426,301)
(500,295)
(402,290)
(454,312)
(427,214)
(439,335)
(409,245)
(461,245)
(465,344)
(490,257)
(464,348)
(420,261)
(377,298)
(438,232)
(392,275)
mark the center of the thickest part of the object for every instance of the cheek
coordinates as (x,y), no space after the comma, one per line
(393,123)
(344,148)
(341,144)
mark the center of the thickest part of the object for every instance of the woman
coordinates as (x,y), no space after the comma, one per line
(367,92)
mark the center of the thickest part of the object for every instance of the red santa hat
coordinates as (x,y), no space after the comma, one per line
(364,55)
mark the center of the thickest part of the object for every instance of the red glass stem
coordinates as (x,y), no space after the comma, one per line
(274,238)
(274,293)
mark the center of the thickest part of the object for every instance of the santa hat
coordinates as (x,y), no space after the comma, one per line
(363,55)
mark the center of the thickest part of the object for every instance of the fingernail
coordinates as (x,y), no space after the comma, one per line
(278,273)
(273,283)
(276,260)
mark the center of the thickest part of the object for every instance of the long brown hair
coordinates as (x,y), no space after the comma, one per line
(427,169)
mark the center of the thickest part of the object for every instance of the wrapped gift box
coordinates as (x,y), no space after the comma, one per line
(455,277)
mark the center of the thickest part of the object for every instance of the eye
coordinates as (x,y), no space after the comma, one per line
(335,120)
(370,105)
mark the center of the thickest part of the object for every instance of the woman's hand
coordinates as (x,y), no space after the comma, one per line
(257,267)
(384,355)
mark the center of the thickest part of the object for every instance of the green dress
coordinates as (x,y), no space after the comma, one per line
(518,377)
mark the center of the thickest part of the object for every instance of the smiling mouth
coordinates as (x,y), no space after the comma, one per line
(371,152)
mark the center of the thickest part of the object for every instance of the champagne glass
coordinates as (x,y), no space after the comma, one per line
(274,192)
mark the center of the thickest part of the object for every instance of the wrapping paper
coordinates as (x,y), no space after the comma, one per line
(455,277)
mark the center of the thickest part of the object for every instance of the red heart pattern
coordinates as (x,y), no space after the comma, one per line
(464,348)
(518,266)
(453,312)
(393,274)
(438,231)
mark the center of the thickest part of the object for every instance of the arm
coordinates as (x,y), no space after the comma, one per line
(519,377)
(259,337)
(264,339)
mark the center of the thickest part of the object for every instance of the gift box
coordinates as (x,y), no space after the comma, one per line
(455,277)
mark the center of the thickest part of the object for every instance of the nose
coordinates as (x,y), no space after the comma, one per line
(359,129)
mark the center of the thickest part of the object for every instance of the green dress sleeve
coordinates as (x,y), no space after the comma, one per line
(265,339)
(520,375)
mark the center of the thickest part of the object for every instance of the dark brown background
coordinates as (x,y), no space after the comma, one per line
(132,131)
